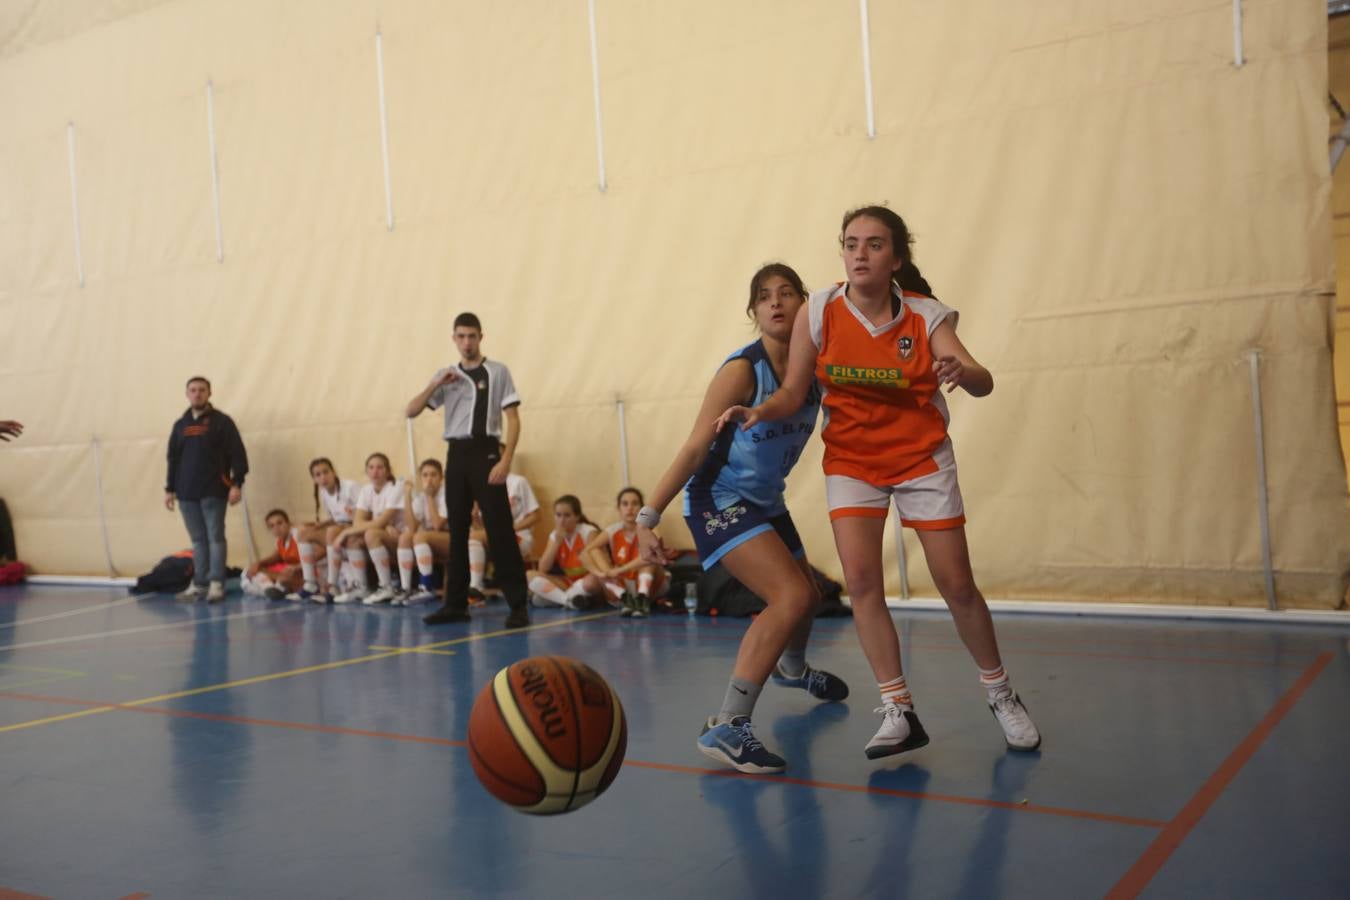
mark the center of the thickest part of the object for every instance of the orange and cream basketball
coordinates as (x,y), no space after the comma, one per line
(547,735)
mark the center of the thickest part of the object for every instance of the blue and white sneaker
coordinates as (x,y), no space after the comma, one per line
(818,683)
(306,593)
(734,744)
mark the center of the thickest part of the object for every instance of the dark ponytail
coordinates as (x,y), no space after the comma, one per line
(325,461)
(910,279)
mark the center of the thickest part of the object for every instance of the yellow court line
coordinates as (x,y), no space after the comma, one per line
(258,679)
(44,669)
(414,650)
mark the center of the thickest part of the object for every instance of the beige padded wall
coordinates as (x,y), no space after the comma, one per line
(1338,76)
(1117,211)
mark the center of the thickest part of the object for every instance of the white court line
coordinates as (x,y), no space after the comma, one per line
(76,612)
(143,628)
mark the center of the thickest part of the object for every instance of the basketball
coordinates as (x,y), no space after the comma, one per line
(547,735)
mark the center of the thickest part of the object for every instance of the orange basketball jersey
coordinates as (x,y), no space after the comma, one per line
(884,414)
(622,548)
(569,551)
(288,550)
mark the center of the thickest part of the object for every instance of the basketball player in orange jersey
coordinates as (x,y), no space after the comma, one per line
(733,503)
(566,545)
(881,349)
(614,557)
(278,572)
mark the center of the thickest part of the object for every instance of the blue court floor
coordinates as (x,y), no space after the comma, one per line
(255,749)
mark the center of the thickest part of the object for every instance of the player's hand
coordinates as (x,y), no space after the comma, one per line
(651,548)
(949,370)
(746,415)
(444,376)
(9,429)
(499,472)
(252,570)
(168,500)
(235,494)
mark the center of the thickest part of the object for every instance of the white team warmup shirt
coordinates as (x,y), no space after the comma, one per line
(523,502)
(375,503)
(419,508)
(340,505)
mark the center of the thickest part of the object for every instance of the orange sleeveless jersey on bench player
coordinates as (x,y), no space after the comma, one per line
(884,414)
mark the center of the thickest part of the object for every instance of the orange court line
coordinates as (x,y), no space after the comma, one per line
(917,795)
(1133,882)
(636,763)
(7,894)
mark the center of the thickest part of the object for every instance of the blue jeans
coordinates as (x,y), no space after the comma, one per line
(205,521)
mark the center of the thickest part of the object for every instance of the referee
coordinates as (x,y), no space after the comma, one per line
(477,395)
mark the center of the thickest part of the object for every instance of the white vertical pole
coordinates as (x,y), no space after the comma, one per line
(102,514)
(1338,144)
(623,442)
(215,167)
(1262,500)
(900,554)
(1237,34)
(867,69)
(412,452)
(595,84)
(74,199)
(384,132)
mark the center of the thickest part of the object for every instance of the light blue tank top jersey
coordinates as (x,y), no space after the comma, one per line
(753,465)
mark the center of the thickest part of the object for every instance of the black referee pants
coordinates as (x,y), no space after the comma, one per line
(467,465)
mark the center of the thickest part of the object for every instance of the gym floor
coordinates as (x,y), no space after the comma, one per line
(256,749)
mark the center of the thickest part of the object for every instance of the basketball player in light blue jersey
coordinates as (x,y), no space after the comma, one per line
(734,506)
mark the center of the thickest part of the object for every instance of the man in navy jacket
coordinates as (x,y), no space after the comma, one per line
(207,465)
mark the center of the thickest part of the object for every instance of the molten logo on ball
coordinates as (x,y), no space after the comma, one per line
(547,735)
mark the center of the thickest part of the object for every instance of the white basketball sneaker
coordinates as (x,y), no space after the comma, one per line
(900,731)
(1018,729)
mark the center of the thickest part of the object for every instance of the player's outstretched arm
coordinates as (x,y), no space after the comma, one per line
(733,384)
(791,394)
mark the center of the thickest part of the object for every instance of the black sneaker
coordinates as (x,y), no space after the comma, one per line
(445,616)
(517,618)
(817,682)
(272,592)
(476,597)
